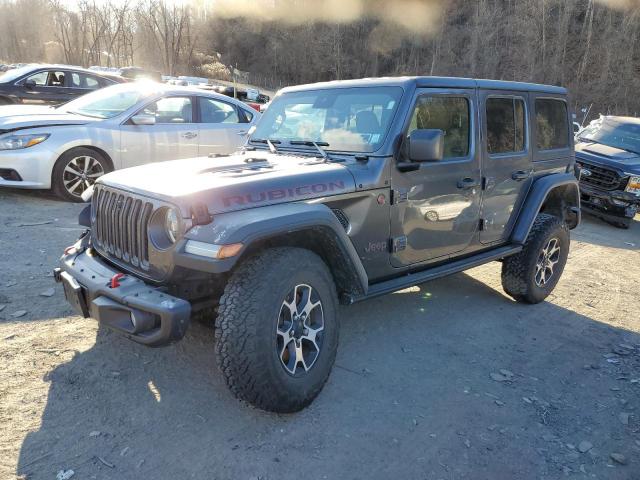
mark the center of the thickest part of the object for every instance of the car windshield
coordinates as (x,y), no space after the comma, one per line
(14,74)
(340,119)
(614,133)
(109,102)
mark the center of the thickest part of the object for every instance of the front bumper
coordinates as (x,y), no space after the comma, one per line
(612,204)
(33,167)
(141,312)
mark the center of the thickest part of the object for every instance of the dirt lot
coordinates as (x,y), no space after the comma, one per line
(412,394)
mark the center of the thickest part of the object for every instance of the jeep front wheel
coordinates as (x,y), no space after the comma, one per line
(531,275)
(277,329)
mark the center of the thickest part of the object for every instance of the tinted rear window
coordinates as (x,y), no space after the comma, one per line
(552,124)
(505,125)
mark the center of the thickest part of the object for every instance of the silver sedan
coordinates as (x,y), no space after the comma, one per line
(68,147)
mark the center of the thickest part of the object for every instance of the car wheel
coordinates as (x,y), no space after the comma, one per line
(531,275)
(76,170)
(276,345)
(4,101)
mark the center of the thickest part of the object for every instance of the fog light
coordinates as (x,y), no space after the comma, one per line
(142,321)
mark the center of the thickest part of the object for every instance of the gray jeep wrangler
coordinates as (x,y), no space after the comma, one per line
(345,191)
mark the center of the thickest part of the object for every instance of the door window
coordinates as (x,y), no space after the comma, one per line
(79,80)
(552,124)
(449,114)
(505,125)
(215,111)
(48,79)
(171,110)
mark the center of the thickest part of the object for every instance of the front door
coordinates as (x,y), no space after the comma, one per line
(507,165)
(435,211)
(44,87)
(174,135)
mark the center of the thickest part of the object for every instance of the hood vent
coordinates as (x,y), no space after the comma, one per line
(342,218)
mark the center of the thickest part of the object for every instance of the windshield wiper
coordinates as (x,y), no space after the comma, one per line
(311,143)
(86,115)
(270,143)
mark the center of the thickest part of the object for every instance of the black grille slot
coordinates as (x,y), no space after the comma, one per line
(342,218)
(601,177)
(120,226)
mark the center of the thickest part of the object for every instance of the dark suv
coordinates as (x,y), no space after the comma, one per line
(50,84)
(608,159)
(345,191)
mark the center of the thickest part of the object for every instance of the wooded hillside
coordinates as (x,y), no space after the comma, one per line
(590,46)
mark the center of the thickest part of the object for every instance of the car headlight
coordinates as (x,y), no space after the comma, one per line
(165,227)
(172,224)
(17,142)
(633,185)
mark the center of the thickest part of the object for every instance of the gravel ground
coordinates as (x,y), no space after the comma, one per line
(448,380)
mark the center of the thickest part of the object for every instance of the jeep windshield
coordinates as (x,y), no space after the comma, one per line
(613,133)
(338,119)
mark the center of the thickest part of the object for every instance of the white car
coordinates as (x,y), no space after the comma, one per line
(67,147)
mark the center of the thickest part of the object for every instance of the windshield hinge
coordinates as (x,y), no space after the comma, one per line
(399,196)
(398,244)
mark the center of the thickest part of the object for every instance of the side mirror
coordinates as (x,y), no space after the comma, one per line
(29,83)
(143,119)
(425,145)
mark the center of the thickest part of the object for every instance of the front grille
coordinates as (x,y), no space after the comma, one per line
(601,177)
(120,226)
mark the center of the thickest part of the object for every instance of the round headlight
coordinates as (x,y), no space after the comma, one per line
(172,224)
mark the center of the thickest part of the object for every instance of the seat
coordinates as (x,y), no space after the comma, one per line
(187,113)
(367,122)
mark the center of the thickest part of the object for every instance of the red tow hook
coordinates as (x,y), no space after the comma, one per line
(115,280)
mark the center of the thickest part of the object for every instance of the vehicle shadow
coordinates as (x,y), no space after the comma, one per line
(410,396)
(32,195)
(598,232)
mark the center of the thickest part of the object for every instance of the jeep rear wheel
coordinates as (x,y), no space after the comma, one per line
(531,275)
(277,329)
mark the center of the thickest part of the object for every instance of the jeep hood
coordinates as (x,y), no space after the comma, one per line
(24,117)
(604,155)
(235,182)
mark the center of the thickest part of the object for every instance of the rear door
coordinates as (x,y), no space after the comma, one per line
(222,126)
(79,83)
(174,135)
(435,208)
(507,164)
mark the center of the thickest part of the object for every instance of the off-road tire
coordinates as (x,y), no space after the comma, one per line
(245,329)
(57,175)
(518,271)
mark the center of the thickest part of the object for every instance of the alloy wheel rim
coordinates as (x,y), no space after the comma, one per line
(547,260)
(300,330)
(80,173)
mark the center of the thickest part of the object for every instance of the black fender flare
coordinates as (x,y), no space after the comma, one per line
(538,194)
(287,224)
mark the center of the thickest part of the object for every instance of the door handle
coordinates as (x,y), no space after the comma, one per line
(189,135)
(467,183)
(242,132)
(520,175)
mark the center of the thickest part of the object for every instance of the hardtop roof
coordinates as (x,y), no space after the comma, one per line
(432,82)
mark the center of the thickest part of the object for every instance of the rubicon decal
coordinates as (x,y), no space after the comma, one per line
(283,193)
